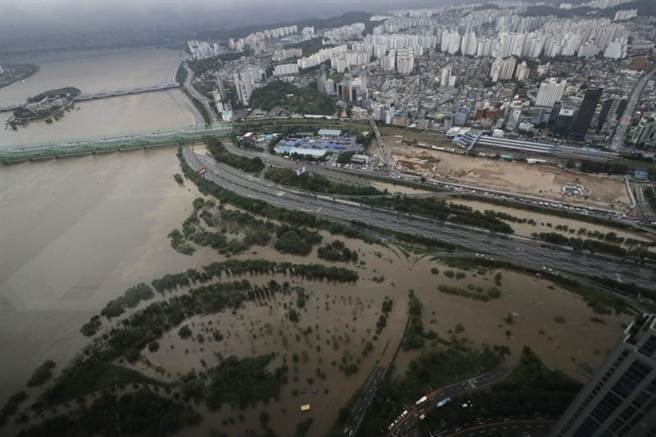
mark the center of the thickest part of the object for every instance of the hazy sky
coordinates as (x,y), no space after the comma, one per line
(30,23)
(104,12)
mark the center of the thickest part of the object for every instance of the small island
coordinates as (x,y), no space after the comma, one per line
(48,106)
(14,73)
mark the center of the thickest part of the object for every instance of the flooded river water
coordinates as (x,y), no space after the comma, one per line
(76,233)
(94,72)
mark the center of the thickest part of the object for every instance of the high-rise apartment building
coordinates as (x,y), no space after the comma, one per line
(522,71)
(620,399)
(405,61)
(503,69)
(551,91)
(445,76)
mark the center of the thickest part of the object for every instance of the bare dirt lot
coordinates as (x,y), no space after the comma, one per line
(513,177)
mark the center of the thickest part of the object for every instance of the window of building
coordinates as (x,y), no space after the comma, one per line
(633,376)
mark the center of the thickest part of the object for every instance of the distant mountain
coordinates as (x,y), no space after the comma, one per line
(646,8)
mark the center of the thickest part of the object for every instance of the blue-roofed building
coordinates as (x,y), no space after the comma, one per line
(331,144)
(642,175)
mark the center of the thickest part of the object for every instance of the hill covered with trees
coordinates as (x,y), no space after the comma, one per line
(292,98)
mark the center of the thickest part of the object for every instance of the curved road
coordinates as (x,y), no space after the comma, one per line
(438,397)
(512,428)
(619,139)
(516,250)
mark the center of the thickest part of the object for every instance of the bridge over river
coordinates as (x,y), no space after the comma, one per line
(108,94)
(96,145)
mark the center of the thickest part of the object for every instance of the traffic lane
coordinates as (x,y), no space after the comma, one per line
(359,175)
(441,394)
(362,404)
(575,262)
(536,428)
(397,222)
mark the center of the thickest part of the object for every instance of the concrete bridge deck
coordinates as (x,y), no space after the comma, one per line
(108,94)
(85,146)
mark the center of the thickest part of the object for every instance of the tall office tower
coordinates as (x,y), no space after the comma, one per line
(563,121)
(551,91)
(603,113)
(585,113)
(620,399)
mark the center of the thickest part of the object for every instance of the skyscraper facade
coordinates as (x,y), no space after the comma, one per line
(620,399)
(585,113)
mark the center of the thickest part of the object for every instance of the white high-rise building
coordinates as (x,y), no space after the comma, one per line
(469,44)
(405,61)
(615,50)
(503,69)
(245,82)
(285,70)
(551,91)
(450,42)
(445,76)
(522,72)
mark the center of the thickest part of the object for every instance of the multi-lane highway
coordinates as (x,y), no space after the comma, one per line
(517,250)
(359,177)
(365,397)
(437,398)
(505,428)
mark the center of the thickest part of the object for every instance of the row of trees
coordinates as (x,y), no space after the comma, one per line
(315,183)
(594,245)
(236,267)
(143,412)
(486,295)
(296,241)
(441,210)
(337,251)
(219,152)
(414,337)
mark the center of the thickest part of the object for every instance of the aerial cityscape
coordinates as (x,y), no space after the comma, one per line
(431,218)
